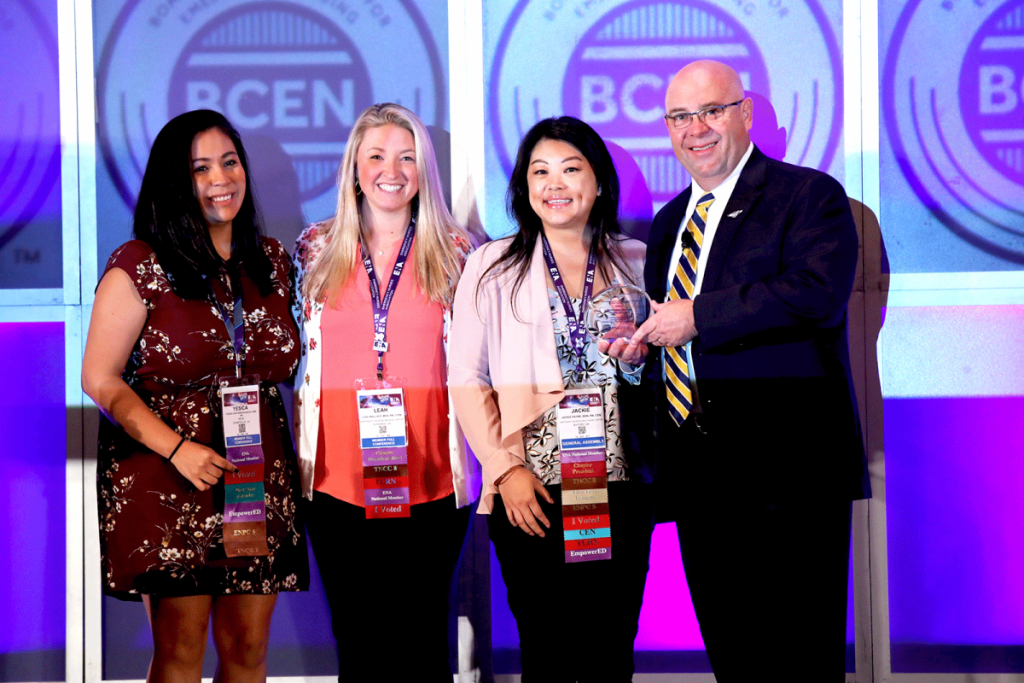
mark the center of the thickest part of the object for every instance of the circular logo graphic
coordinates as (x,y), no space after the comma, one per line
(960,141)
(615,74)
(296,71)
(29,117)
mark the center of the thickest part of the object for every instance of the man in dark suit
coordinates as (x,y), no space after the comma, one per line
(758,442)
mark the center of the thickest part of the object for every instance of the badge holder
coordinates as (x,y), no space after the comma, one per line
(245,513)
(581,437)
(383,440)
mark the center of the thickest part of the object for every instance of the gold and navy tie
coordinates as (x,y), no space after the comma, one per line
(684,279)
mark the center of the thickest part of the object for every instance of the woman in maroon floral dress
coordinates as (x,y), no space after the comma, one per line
(157,346)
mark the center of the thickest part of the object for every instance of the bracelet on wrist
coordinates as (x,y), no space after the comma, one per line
(505,475)
(171,456)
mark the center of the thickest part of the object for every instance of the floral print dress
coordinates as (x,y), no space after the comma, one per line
(158,534)
(599,370)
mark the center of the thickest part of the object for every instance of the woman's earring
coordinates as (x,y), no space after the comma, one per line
(359,190)
(598,190)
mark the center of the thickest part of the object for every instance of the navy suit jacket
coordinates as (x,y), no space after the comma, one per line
(770,357)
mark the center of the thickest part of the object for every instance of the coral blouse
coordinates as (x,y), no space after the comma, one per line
(415,354)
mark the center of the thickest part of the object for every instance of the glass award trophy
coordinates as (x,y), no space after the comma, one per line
(617,311)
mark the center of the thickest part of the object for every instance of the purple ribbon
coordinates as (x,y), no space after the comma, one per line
(380,307)
(577,335)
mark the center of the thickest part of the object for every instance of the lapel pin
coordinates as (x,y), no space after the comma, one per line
(735,213)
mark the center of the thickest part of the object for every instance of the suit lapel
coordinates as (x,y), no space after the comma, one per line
(748,190)
(663,242)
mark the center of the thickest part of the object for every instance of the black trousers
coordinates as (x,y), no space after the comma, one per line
(577,622)
(387,583)
(768,580)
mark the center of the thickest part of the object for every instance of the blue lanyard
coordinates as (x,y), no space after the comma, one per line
(381,306)
(236,332)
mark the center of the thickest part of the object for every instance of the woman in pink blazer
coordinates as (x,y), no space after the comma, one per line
(517,353)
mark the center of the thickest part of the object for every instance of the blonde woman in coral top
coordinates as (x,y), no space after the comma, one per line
(374,289)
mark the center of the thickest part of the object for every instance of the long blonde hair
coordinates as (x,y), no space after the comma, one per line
(438,262)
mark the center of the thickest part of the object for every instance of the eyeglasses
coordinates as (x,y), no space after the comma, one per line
(711,114)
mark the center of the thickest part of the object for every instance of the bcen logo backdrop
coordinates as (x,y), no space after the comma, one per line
(30,211)
(295,73)
(609,63)
(953,104)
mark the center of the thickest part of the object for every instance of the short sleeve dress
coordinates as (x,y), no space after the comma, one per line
(159,535)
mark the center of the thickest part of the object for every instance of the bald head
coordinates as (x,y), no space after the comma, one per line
(709,150)
(708,75)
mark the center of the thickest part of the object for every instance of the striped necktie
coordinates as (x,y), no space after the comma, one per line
(684,279)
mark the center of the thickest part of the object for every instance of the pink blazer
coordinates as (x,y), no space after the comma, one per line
(504,371)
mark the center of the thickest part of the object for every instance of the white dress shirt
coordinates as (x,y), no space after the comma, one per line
(722,194)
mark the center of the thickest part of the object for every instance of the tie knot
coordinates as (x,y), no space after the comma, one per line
(706,200)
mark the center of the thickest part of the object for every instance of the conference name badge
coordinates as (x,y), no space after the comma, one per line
(245,512)
(383,440)
(581,436)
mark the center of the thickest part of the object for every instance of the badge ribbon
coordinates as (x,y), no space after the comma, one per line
(384,445)
(585,519)
(245,512)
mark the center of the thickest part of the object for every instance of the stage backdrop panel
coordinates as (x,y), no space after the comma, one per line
(609,64)
(952,143)
(30,193)
(955,487)
(32,492)
(952,177)
(291,75)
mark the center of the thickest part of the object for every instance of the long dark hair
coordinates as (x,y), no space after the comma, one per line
(169,219)
(603,221)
